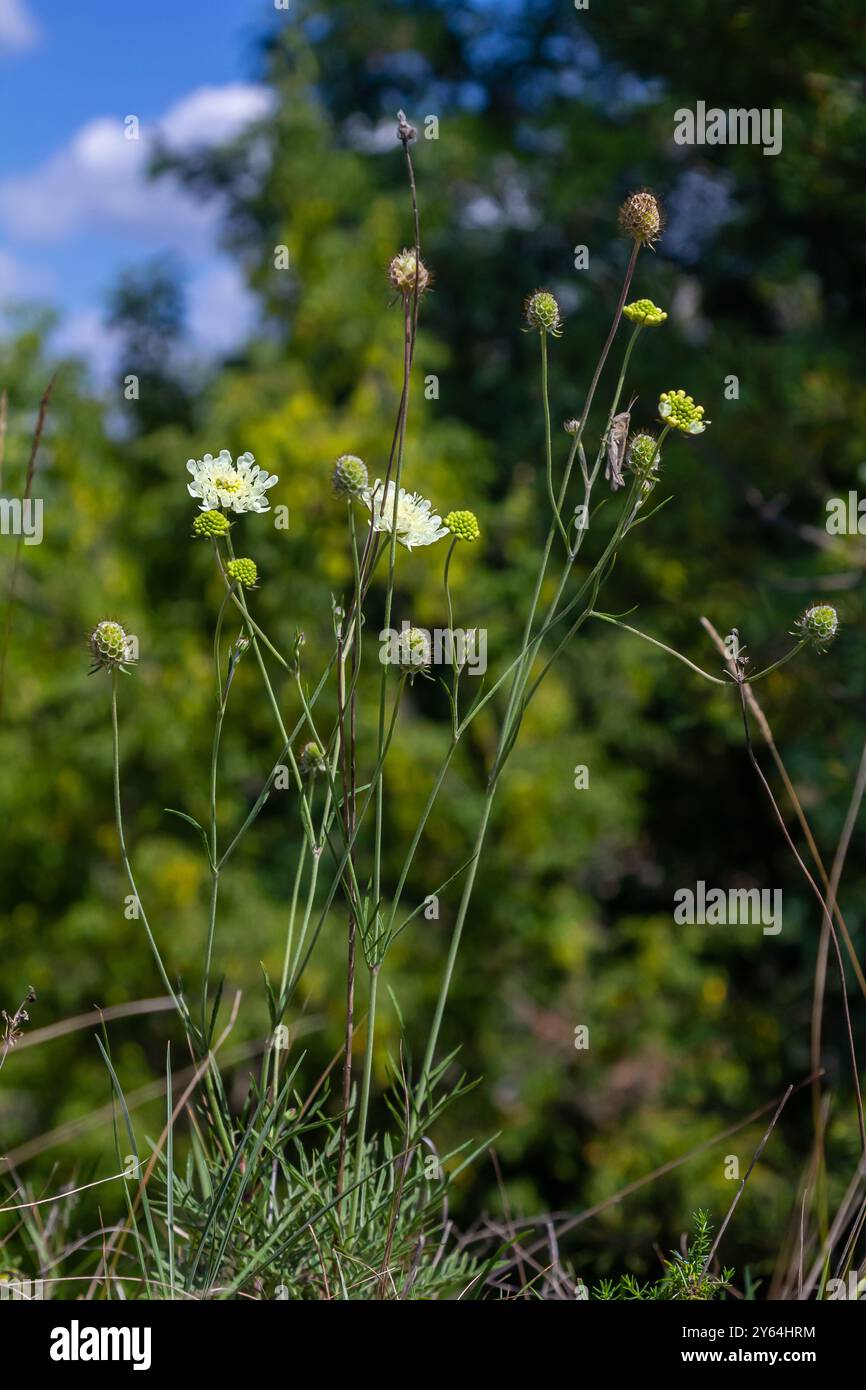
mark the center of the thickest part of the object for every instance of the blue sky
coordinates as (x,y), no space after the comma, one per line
(75,205)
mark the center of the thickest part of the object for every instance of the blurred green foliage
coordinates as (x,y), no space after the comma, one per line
(547,118)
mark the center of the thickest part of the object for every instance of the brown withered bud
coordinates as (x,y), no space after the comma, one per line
(641,217)
(405,131)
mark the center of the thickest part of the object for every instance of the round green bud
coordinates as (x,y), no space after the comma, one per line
(463,526)
(646,488)
(679,410)
(640,217)
(542,312)
(819,624)
(211,523)
(350,476)
(244,571)
(109,647)
(414,651)
(644,312)
(643,455)
(405,271)
(312,759)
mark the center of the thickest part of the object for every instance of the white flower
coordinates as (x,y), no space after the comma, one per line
(417,523)
(239,487)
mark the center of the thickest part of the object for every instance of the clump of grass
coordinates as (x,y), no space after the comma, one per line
(684,1277)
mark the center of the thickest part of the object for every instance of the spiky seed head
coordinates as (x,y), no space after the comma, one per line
(819,624)
(463,525)
(542,313)
(571,426)
(211,523)
(109,647)
(405,270)
(350,477)
(414,651)
(643,456)
(244,571)
(641,217)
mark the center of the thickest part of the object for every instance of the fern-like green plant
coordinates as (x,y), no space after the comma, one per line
(684,1278)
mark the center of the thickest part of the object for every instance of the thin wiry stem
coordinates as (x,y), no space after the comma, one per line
(118,813)
(824,908)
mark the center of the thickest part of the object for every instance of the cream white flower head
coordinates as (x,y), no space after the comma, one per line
(417,523)
(238,487)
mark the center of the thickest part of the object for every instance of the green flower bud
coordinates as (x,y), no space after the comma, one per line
(109,647)
(350,476)
(643,456)
(403,274)
(641,218)
(819,624)
(463,526)
(211,523)
(414,651)
(244,571)
(312,759)
(644,312)
(542,312)
(679,410)
(646,488)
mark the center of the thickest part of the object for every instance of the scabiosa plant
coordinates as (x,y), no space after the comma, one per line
(244,571)
(463,525)
(415,523)
(109,647)
(641,218)
(413,652)
(406,271)
(643,454)
(350,477)
(212,524)
(645,313)
(312,759)
(819,625)
(265,1176)
(237,487)
(542,313)
(680,412)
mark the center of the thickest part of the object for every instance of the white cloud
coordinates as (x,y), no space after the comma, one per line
(86,335)
(221,310)
(214,115)
(18,28)
(19,281)
(221,315)
(99,181)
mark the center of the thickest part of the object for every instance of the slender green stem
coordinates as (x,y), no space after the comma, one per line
(776,664)
(453,951)
(548,442)
(118,812)
(607,618)
(366,1077)
(518,684)
(455,670)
